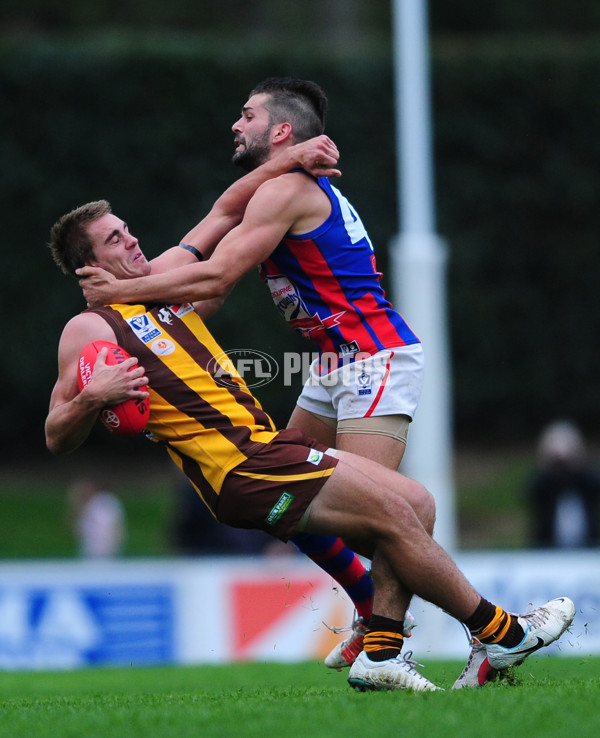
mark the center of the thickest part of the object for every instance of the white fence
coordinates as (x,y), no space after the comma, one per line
(134,612)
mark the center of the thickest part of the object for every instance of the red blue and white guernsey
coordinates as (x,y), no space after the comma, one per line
(326,285)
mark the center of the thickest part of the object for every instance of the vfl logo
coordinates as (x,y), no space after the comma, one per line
(363,382)
(254,367)
(143,328)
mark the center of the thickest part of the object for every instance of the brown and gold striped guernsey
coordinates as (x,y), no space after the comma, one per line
(209,426)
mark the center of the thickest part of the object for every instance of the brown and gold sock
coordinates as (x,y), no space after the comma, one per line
(383,639)
(491,624)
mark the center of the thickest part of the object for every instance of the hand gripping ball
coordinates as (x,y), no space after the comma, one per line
(127,418)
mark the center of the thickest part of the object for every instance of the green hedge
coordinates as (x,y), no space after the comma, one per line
(517,181)
(147,126)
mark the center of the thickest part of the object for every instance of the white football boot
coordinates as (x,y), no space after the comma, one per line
(344,654)
(477,671)
(397,673)
(542,627)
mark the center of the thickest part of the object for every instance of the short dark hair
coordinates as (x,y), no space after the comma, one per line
(298,101)
(70,244)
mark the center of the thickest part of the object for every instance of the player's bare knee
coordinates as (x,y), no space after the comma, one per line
(421,501)
(426,510)
(392,514)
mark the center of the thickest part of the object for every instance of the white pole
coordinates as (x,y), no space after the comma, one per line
(418,265)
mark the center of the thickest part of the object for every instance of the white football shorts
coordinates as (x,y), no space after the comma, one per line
(386,383)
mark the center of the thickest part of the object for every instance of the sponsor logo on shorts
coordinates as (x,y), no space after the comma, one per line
(280,507)
(363,382)
(314,456)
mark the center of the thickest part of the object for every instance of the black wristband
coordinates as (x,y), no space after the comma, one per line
(192,250)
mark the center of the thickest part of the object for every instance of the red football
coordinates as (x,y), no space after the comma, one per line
(129,417)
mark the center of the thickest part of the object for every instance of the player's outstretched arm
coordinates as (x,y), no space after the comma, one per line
(318,156)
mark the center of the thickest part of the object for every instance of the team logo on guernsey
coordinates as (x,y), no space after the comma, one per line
(144,328)
(165,316)
(162,347)
(279,508)
(308,325)
(314,456)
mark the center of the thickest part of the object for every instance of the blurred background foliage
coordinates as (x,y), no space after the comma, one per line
(133,101)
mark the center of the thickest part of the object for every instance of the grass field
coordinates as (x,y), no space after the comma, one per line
(551,697)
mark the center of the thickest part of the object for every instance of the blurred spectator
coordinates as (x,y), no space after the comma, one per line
(564,492)
(99,521)
(195,532)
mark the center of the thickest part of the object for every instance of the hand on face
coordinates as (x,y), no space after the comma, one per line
(97,284)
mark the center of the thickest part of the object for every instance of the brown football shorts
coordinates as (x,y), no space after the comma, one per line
(272,489)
